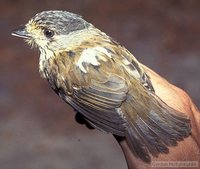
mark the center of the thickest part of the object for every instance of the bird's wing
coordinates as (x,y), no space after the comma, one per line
(121,103)
(100,104)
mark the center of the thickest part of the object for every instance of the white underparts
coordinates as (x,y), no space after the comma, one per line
(44,56)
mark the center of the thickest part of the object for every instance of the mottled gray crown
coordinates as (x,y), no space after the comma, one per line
(62,22)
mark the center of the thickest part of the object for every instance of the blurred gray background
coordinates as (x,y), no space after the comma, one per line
(37,129)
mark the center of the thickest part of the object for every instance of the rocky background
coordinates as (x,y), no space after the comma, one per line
(37,129)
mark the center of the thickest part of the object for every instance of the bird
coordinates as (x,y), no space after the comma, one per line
(104,82)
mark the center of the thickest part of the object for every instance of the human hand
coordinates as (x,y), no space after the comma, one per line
(186,150)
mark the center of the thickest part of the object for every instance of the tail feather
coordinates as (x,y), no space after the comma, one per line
(135,142)
(152,131)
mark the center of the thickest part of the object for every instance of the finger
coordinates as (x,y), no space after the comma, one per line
(81,120)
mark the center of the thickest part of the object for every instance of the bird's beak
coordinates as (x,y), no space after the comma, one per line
(21,32)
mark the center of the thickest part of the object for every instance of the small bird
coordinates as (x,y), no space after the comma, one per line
(104,82)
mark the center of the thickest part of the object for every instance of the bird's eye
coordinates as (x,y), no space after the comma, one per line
(48,33)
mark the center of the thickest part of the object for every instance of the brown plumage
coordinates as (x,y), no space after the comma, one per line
(104,82)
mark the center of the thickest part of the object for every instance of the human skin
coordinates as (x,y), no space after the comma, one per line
(186,150)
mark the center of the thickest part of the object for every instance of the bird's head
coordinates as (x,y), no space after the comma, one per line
(52,30)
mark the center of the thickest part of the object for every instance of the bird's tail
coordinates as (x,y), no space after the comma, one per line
(151,130)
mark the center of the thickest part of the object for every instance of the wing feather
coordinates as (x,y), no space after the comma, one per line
(99,103)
